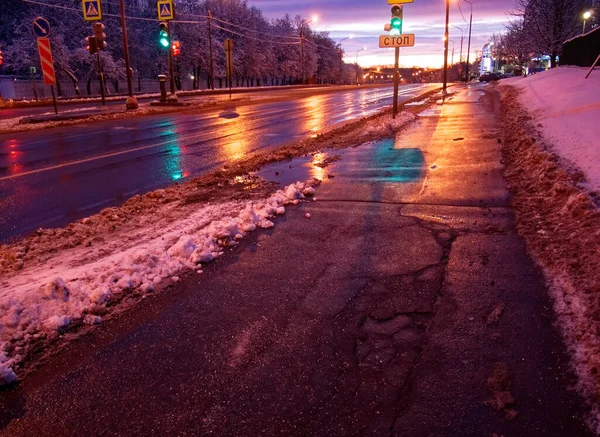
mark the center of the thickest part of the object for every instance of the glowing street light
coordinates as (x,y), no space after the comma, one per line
(586,16)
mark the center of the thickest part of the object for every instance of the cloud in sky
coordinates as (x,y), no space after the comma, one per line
(364,19)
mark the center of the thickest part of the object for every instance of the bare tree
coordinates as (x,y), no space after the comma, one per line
(547,24)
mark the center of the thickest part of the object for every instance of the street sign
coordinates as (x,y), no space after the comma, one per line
(399,2)
(404,40)
(46,61)
(92,10)
(41,27)
(165,10)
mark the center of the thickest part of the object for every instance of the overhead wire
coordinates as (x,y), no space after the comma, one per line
(297,40)
(461,12)
(212,17)
(257,39)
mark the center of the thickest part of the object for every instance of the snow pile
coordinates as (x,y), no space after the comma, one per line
(38,303)
(386,125)
(561,225)
(566,108)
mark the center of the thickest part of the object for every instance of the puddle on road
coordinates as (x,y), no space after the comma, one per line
(377,161)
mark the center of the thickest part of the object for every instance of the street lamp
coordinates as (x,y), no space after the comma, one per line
(444,92)
(586,16)
(303,23)
(356,63)
(462,34)
(469,45)
(339,46)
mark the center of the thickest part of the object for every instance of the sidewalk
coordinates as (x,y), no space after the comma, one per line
(405,304)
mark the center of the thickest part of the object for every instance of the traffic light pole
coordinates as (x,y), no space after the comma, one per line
(173,96)
(131,102)
(396,82)
(101,77)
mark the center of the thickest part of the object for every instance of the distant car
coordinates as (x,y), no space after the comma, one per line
(489,77)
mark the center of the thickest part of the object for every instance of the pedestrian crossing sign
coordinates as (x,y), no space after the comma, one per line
(165,10)
(92,10)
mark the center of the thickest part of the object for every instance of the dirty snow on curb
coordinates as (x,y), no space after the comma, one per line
(566,108)
(41,302)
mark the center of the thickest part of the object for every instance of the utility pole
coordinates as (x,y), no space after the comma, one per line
(444,92)
(212,68)
(302,54)
(462,34)
(469,46)
(131,102)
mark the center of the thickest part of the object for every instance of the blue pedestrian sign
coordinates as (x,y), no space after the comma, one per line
(165,10)
(92,10)
(41,27)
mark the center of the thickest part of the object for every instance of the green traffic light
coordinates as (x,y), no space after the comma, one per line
(164,40)
(396,23)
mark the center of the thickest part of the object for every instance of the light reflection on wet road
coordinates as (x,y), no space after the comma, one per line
(52,177)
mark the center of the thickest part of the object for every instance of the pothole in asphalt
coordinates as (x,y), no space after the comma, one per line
(378,161)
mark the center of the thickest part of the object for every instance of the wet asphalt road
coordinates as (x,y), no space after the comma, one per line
(51,177)
(378,316)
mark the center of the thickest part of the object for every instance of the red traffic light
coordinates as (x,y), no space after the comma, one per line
(176,48)
(0,57)
(99,35)
(92,44)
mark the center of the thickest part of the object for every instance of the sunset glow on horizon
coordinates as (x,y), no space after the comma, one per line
(424,18)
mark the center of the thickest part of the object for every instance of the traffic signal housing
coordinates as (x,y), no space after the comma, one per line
(176,48)
(91,47)
(396,22)
(163,36)
(100,36)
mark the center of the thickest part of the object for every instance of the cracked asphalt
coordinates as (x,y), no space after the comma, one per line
(405,306)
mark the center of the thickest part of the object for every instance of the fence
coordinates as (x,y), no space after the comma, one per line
(581,50)
(19,88)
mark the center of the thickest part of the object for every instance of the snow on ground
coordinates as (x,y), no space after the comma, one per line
(44,300)
(567,108)
(560,222)
(57,279)
(110,113)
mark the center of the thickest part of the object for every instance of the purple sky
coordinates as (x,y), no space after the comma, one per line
(425,18)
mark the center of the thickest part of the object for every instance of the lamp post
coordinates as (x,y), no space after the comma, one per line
(586,16)
(302,24)
(339,45)
(444,92)
(356,63)
(469,45)
(462,34)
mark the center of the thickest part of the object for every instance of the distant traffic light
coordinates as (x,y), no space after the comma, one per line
(176,48)
(0,57)
(396,22)
(99,35)
(163,36)
(91,47)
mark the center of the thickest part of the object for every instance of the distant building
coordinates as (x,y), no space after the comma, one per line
(487,63)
